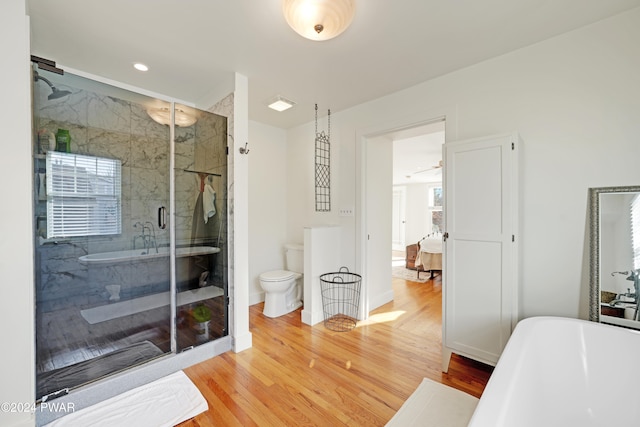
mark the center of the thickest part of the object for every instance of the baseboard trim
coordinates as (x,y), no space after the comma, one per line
(242,342)
(311,318)
(380,300)
(256,298)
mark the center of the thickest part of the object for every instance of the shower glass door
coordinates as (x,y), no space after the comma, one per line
(200,226)
(102,257)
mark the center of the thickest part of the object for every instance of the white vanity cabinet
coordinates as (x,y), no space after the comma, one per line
(480,281)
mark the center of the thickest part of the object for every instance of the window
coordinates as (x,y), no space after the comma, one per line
(83,195)
(435,208)
(435,197)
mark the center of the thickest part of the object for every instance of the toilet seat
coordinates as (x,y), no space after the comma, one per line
(277,275)
(282,292)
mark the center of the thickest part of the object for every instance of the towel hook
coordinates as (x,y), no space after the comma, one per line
(244,150)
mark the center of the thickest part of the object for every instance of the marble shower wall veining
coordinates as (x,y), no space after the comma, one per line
(202,148)
(106,126)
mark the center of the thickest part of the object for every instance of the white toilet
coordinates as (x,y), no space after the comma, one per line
(283,288)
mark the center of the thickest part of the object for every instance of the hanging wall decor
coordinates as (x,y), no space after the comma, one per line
(323,166)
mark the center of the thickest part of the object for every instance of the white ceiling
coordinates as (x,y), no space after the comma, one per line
(193,47)
(417,154)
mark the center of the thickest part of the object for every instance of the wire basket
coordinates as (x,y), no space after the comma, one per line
(340,299)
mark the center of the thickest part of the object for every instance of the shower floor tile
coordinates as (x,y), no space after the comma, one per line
(65,338)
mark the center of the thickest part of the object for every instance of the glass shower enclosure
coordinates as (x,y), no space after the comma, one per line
(130,229)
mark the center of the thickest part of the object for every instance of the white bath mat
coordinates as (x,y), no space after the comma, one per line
(137,305)
(164,402)
(435,405)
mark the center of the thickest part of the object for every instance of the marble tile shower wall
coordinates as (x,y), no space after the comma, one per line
(105,126)
(211,154)
(202,147)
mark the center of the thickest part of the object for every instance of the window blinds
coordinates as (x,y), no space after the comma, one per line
(83,195)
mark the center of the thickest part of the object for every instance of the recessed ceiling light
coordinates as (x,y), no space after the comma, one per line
(280,104)
(140,66)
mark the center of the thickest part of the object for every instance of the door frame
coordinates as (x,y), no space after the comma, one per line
(449,116)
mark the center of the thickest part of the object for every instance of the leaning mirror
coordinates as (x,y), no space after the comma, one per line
(615,255)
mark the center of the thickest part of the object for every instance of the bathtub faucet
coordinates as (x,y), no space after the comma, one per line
(634,276)
(148,239)
(139,236)
(155,241)
(624,273)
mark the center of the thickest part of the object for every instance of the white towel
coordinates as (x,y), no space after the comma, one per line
(164,402)
(208,202)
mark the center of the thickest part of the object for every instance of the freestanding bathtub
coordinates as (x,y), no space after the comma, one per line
(144,254)
(564,372)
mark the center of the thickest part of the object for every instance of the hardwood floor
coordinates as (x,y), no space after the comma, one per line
(300,375)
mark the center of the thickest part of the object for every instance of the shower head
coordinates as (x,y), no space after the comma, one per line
(55,92)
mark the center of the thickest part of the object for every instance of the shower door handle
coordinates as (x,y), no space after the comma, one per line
(162,217)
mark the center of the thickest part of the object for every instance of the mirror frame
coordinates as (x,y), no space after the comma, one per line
(594,244)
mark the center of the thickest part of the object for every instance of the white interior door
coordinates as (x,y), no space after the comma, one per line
(480,280)
(398,230)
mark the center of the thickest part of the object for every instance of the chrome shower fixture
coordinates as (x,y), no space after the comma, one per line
(632,274)
(620,272)
(55,92)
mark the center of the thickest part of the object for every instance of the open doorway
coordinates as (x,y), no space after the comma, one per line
(417,204)
(375,199)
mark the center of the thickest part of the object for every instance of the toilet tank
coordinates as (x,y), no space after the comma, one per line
(295,257)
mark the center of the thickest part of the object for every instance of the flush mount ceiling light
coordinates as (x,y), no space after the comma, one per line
(280,103)
(319,19)
(163,116)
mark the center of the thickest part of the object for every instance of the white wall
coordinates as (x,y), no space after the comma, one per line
(300,185)
(16,246)
(574,101)
(268,203)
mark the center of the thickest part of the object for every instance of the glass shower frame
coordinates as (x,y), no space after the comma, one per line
(151,243)
(200,222)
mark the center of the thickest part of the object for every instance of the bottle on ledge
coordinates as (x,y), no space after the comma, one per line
(63,141)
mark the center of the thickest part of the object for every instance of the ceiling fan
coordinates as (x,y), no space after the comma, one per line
(432,168)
